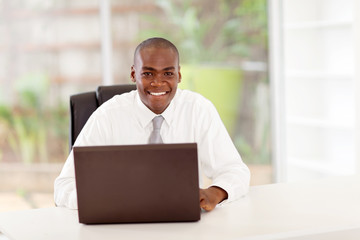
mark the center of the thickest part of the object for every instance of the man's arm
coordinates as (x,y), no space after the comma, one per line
(219,159)
(64,186)
(211,196)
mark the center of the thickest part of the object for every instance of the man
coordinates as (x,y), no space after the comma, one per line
(187,117)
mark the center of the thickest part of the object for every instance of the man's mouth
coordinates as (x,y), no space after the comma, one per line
(157,93)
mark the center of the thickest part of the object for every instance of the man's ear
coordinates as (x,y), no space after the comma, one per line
(179,76)
(132,74)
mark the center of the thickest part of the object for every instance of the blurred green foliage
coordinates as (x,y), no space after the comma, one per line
(33,128)
(222,31)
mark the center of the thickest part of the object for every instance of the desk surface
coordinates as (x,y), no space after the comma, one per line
(326,209)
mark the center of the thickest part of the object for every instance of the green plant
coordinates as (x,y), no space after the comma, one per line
(225,31)
(30,120)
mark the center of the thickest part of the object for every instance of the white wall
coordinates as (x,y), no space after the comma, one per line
(317,85)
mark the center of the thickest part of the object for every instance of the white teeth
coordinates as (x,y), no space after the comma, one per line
(157,93)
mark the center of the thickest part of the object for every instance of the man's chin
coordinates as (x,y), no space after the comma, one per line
(158,109)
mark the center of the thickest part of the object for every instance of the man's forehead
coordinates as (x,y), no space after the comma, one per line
(155,54)
(155,50)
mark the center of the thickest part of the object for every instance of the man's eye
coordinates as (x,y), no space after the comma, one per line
(147,74)
(168,73)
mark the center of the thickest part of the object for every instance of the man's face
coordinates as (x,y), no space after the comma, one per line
(156,73)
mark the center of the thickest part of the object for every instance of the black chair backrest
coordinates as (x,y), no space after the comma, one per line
(82,105)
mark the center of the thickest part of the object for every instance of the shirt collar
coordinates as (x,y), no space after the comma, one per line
(145,115)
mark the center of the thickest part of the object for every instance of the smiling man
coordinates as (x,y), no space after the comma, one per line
(156,73)
(186,117)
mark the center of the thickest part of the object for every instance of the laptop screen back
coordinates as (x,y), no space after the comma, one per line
(137,183)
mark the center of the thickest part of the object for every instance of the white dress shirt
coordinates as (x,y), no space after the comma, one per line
(190,117)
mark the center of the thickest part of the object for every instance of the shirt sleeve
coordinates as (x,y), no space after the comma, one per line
(64,186)
(93,133)
(219,158)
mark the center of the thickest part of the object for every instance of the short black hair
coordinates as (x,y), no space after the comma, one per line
(156,42)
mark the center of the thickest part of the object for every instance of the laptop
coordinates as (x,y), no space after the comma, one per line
(137,183)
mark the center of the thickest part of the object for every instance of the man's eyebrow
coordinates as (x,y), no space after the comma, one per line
(148,68)
(153,69)
(169,68)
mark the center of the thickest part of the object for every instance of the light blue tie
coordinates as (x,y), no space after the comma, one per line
(155,136)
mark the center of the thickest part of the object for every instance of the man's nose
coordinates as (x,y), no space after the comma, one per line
(157,81)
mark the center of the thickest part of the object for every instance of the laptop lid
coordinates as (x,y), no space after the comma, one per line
(137,183)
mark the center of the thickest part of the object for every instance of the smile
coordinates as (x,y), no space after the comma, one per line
(157,93)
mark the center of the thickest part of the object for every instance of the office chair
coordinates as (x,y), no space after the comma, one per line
(82,105)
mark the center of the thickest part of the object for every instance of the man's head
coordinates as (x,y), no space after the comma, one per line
(156,72)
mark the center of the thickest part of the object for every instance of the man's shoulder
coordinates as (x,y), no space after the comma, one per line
(121,102)
(193,103)
(194,98)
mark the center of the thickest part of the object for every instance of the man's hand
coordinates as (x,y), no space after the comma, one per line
(211,196)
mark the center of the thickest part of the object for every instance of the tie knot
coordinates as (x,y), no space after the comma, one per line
(157,122)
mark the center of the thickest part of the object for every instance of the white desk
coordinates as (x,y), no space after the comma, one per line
(326,209)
